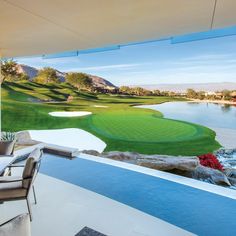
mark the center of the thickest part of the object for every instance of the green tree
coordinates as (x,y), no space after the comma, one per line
(125,90)
(171,94)
(226,94)
(80,81)
(191,93)
(23,76)
(8,70)
(164,93)
(47,75)
(139,91)
(156,92)
(201,95)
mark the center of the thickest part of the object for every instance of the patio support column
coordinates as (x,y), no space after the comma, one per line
(0,94)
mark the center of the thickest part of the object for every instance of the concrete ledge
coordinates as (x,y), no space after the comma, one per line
(60,150)
(48,148)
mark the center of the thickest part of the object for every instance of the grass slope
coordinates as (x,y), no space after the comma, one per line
(121,126)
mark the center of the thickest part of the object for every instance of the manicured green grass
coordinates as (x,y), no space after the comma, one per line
(121,126)
(142,126)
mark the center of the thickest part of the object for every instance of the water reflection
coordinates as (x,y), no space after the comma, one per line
(208,114)
(225,108)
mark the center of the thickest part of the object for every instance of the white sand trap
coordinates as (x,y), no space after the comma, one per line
(69,113)
(101,106)
(73,138)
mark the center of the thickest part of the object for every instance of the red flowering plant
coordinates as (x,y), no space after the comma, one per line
(209,160)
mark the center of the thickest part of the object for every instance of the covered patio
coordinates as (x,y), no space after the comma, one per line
(76,27)
(85,191)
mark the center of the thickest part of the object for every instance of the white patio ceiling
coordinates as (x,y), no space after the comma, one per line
(30,27)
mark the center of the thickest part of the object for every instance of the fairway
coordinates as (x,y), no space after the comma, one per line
(114,119)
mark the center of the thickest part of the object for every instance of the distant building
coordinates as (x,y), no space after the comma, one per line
(233,94)
(182,93)
(219,95)
(209,93)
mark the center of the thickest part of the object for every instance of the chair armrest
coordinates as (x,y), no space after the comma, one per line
(14,165)
(10,179)
(7,155)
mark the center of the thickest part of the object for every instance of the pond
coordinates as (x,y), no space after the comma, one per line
(207,114)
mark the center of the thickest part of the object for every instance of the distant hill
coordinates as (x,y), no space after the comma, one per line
(210,87)
(28,70)
(97,81)
(100,82)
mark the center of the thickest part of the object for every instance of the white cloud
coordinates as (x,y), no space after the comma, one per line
(205,59)
(39,62)
(107,67)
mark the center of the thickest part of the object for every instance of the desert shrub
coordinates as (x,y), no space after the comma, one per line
(209,160)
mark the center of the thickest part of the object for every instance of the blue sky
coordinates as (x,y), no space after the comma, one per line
(204,61)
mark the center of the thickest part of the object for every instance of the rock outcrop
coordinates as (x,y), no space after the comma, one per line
(158,162)
(91,152)
(231,175)
(210,175)
(122,156)
(230,172)
(227,157)
(168,163)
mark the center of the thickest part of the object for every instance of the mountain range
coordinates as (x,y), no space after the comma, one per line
(97,81)
(209,87)
(105,84)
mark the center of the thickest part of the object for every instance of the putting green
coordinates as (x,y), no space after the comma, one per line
(143,127)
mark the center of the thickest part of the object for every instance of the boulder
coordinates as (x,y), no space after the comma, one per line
(230,172)
(232,181)
(220,151)
(91,152)
(229,151)
(231,175)
(122,156)
(210,175)
(226,153)
(168,163)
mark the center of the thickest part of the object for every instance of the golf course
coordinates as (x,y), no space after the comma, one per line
(114,119)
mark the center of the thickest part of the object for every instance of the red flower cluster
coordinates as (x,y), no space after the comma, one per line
(209,160)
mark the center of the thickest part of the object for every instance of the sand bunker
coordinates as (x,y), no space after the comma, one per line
(73,138)
(69,113)
(101,106)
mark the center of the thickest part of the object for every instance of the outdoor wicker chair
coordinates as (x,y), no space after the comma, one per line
(18,187)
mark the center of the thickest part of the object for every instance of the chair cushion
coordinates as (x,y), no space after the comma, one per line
(28,172)
(18,226)
(36,154)
(11,190)
(29,165)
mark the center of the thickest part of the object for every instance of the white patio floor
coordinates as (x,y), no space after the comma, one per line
(63,209)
